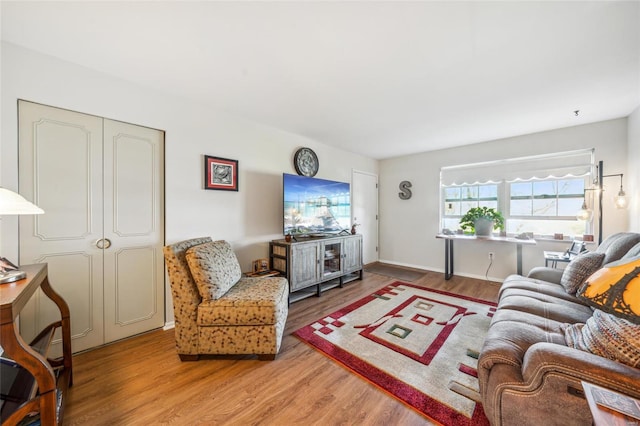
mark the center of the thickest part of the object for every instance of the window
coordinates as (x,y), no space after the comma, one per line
(459,199)
(545,206)
(539,194)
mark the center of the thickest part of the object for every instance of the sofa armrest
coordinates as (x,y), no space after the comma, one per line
(543,273)
(548,358)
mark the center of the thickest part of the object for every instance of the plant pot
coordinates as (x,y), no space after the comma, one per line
(483,227)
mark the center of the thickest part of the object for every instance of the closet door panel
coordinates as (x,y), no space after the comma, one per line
(134,267)
(60,169)
(64,185)
(134,179)
(135,292)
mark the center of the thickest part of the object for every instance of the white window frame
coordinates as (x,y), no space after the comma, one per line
(504,185)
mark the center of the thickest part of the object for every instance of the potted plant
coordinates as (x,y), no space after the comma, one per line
(482,220)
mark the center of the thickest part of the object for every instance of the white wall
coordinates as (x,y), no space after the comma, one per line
(248,218)
(408,228)
(632,178)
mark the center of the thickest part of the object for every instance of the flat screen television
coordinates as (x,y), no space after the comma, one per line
(315,207)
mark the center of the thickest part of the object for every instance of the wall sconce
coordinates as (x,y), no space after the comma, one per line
(620,200)
(585,213)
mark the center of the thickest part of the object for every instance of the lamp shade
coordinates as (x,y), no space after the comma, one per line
(620,200)
(12,203)
(615,289)
(584,214)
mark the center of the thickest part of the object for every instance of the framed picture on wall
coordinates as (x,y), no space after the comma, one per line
(220,173)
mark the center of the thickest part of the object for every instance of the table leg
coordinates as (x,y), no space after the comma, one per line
(448,259)
(519,258)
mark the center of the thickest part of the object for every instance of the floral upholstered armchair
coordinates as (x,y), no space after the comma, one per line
(216,309)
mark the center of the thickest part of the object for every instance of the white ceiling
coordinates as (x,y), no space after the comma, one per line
(378,78)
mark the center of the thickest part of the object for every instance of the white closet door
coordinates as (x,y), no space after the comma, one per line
(61,171)
(133,264)
(100,183)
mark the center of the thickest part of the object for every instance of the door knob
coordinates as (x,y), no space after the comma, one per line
(103,243)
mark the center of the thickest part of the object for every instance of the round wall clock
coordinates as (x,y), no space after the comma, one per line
(306,162)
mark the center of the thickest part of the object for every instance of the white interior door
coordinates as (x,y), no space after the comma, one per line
(364,201)
(61,171)
(95,180)
(133,225)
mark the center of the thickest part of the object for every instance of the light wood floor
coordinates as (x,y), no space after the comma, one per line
(142,381)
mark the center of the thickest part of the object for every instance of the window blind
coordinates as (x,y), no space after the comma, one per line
(553,165)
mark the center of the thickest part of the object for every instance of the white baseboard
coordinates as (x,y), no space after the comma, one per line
(406,265)
(169,325)
(424,268)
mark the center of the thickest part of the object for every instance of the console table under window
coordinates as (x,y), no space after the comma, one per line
(448,249)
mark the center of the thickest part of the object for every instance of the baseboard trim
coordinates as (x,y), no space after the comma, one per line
(424,268)
(169,325)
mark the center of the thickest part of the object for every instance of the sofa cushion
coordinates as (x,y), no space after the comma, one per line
(214,267)
(633,252)
(579,269)
(252,301)
(617,245)
(608,336)
(544,273)
(544,306)
(514,282)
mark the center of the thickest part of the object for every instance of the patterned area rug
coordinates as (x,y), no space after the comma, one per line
(418,344)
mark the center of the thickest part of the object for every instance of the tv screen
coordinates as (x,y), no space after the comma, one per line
(315,206)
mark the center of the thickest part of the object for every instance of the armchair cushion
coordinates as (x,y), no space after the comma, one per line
(252,301)
(579,270)
(214,267)
(608,336)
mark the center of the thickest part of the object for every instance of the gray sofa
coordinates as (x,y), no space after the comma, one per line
(528,373)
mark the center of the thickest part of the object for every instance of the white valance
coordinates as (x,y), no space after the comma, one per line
(559,165)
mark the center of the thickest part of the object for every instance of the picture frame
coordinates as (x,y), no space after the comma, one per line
(220,173)
(260,265)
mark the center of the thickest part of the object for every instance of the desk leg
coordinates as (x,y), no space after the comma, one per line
(519,258)
(448,259)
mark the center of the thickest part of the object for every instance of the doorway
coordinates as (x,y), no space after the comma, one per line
(365,212)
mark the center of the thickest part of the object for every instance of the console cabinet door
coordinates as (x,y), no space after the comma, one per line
(305,265)
(352,247)
(331,254)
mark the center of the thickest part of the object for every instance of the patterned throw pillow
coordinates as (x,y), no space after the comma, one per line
(615,288)
(607,336)
(579,270)
(214,267)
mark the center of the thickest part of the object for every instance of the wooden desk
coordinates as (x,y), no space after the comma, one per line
(448,249)
(50,375)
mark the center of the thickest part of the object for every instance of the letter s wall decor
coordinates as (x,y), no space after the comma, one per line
(405,192)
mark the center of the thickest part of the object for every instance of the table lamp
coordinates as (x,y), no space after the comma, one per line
(12,203)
